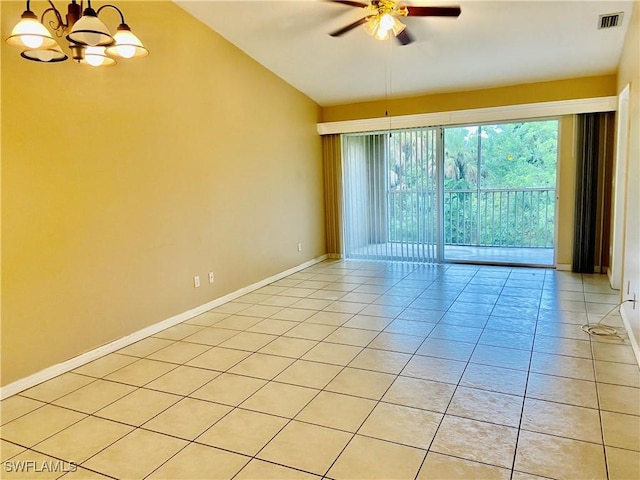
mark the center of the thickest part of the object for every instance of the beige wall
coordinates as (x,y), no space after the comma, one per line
(566,184)
(121,184)
(569,89)
(629,73)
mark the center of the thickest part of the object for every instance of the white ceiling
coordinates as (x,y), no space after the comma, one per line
(492,43)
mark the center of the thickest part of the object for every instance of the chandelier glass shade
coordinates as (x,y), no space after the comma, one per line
(30,33)
(96,56)
(90,41)
(47,55)
(89,30)
(126,45)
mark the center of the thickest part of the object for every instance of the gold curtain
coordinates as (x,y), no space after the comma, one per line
(332,160)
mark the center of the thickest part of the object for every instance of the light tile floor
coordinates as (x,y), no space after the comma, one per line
(353,370)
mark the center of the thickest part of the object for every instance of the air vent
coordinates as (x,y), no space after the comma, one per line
(610,20)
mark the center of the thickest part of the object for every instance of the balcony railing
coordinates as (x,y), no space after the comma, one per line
(523,217)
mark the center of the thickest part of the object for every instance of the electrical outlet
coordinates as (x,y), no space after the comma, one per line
(196,281)
(299,246)
(211,277)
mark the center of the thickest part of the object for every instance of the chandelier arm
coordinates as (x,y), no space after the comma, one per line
(114,7)
(60,25)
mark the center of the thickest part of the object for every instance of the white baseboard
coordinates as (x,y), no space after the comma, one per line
(632,338)
(566,267)
(64,367)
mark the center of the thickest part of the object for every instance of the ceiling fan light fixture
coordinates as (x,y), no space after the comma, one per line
(372,25)
(382,34)
(379,26)
(381,16)
(398,27)
(386,22)
(376,28)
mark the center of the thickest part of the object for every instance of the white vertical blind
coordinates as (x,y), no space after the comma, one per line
(390,208)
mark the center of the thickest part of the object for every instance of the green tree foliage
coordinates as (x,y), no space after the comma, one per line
(461,158)
(514,156)
(520,155)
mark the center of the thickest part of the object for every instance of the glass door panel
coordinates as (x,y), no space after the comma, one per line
(499,192)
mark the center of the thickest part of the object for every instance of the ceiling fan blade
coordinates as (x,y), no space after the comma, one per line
(351,4)
(434,11)
(349,27)
(404,37)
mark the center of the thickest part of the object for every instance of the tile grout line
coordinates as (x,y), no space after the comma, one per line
(311,400)
(353,435)
(524,395)
(448,403)
(460,379)
(595,378)
(362,348)
(290,420)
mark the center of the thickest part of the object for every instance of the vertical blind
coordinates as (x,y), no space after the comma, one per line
(390,188)
(592,202)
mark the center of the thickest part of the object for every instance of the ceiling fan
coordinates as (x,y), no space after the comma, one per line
(381,17)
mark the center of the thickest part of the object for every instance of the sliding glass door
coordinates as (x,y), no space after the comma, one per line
(480,193)
(500,192)
(390,195)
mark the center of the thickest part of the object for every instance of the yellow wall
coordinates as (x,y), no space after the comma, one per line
(121,184)
(629,73)
(569,89)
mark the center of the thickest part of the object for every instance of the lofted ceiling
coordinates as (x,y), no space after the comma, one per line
(492,43)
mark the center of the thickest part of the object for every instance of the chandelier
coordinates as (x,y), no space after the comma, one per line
(90,41)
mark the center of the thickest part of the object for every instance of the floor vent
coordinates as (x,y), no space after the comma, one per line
(610,20)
